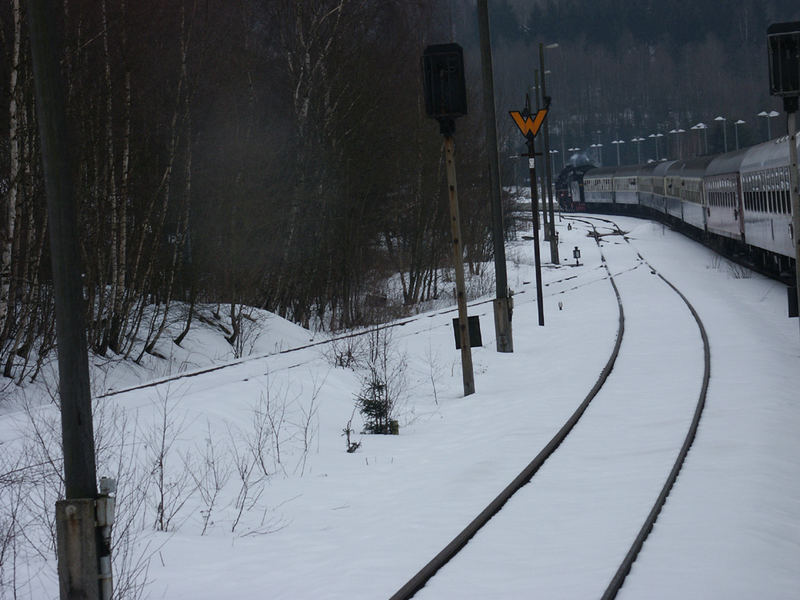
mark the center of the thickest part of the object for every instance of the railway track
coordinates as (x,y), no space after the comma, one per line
(540,519)
(558,286)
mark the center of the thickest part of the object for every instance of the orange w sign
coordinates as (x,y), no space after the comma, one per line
(528,126)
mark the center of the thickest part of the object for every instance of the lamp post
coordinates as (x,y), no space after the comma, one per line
(617,144)
(598,152)
(704,128)
(638,141)
(724,131)
(553,158)
(655,137)
(551,229)
(769,115)
(677,133)
(736,130)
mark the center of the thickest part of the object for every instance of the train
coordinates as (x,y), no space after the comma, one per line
(738,202)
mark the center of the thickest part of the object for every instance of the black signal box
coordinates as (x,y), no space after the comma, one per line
(783,40)
(443,81)
(474,326)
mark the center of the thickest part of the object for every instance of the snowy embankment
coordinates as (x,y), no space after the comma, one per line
(259,497)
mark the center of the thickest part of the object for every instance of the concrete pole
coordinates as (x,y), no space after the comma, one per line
(458,264)
(795,193)
(551,226)
(502,306)
(79,545)
(725,134)
(539,77)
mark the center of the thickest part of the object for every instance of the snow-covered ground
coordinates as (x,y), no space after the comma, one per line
(309,520)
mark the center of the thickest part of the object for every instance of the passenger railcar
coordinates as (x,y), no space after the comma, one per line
(626,189)
(659,200)
(598,188)
(739,201)
(724,212)
(683,191)
(765,194)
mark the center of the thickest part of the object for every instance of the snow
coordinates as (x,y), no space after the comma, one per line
(329,524)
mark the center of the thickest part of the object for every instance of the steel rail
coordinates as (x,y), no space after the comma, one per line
(627,563)
(625,567)
(418,581)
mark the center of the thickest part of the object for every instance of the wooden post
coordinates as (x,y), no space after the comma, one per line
(458,263)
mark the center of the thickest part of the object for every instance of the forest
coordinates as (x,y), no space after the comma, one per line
(268,154)
(276,153)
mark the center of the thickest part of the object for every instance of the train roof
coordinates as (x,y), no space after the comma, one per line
(774,153)
(692,167)
(626,171)
(600,172)
(727,163)
(647,169)
(661,168)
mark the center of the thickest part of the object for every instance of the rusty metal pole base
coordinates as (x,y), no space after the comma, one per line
(77,549)
(502,324)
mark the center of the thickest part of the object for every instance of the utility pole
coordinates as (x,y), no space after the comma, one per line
(81,547)
(502,304)
(538,76)
(553,237)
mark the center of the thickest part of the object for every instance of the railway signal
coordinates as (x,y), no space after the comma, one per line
(529,128)
(446,100)
(783,41)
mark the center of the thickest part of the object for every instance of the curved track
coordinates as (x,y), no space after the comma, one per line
(614,397)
